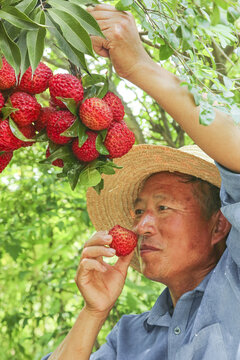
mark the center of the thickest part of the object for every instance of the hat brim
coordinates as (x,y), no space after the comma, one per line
(115,203)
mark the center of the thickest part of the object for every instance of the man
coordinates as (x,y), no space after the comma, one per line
(169,197)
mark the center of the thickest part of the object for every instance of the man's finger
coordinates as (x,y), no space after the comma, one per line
(123,262)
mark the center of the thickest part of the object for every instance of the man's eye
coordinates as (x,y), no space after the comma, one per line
(138,211)
(162,207)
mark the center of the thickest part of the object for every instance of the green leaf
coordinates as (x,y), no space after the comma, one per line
(16,132)
(9,49)
(87,21)
(222,3)
(106,169)
(98,188)
(22,44)
(75,56)
(123,5)
(91,89)
(232,14)
(100,146)
(7,110)
(215,17)
(82,136)
(63,152)
(36,42)
(165,52)
(102,90)
(92,79)
(73,130)
(89,177)
(72,31)
(197,97)
(73,175)
(206,114)
(26,6)
(70,104)
(18,18)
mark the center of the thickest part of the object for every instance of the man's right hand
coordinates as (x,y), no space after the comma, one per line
(122,43)
(100,283)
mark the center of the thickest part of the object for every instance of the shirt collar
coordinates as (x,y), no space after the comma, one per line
(161,312)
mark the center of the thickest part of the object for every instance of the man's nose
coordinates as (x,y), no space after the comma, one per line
(146,224)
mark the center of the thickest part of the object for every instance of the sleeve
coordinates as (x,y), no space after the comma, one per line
(230,199)
(108,351)
(46,357)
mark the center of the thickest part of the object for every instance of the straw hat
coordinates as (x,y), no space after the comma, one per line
(115,203)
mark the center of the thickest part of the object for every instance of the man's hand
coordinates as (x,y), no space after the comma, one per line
(122,44)
(100,283)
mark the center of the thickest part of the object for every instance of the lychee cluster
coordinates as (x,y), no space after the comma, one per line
(104,134)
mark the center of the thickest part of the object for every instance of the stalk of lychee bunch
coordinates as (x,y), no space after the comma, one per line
(90,128)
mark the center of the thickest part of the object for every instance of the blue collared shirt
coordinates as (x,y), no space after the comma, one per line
(205,324)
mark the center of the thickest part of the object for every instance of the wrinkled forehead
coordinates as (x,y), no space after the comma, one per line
(161,177)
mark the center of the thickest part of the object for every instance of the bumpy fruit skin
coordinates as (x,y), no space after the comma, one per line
(38,82)
(8,142)
(42,120)
(123,240)
(2,101)
(65,86)
(119,139)
(29,132)
(57,162)
(58,122)
(95,114)
(5,159)
(7,75)
(87,152)
(28,108)
(115,105)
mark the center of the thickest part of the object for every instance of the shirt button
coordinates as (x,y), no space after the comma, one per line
(177,330)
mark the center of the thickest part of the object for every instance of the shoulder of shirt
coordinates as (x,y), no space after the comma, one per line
(131,318)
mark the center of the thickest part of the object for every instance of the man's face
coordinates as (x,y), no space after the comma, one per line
(176,238)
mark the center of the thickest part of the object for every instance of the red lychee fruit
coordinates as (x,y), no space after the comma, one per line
(58,122)
(5,159)
(28,108)
(29,132)
(37,83)
(2,101)
(95,114)
(119,139)
(57,162)
(7,75)
(8,142)
(87,152)
(115,105)
(65,86)
(42,120)
(123,240)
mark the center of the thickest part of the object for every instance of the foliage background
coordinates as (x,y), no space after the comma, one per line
(44,224)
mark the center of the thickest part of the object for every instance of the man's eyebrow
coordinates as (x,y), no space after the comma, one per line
(157,197)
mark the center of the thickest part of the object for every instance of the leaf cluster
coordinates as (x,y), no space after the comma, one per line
(25,24)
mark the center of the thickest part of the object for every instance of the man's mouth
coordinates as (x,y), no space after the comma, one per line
(147,248)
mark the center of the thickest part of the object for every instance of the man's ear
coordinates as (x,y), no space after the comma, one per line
(221,227)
